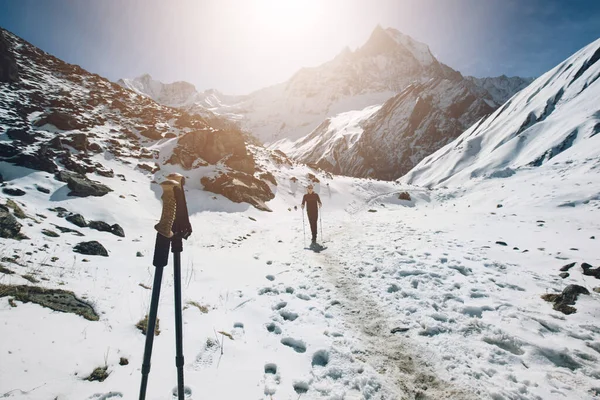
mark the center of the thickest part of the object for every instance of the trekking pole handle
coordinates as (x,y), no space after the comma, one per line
(167,217)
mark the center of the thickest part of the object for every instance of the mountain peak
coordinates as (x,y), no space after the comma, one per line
(390,40)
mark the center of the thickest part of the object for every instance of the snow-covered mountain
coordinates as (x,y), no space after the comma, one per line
(501,88)
(381,68)
(389,140)
(553,123)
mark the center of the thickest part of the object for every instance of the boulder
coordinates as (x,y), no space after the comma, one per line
(240,188)
(210,146)
(589,271)
(568,297)
(9,226)
(404,196)
(152,168)
(64,176)
(42,189)
(116,229)
(83,187)
(12,191)
(99,226)
(92,248)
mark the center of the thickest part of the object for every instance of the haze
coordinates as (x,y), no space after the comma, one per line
(238,46)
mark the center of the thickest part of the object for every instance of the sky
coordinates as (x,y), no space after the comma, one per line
(238,46)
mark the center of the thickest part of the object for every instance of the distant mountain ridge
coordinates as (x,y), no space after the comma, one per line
(390,68)
(553,123)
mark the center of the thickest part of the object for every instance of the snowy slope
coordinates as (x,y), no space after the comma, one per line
(554,121)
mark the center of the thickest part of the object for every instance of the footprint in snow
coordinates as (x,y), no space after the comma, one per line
(207,355)
(272,379)
(298,345)
(105,396)
(238,330)
(288,315)
(273,328)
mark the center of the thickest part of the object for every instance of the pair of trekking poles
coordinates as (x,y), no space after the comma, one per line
(174,225)
(304,228)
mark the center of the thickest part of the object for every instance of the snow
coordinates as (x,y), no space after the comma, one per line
(472,310)
(344,128)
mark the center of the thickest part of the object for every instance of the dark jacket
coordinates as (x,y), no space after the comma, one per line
(312,201)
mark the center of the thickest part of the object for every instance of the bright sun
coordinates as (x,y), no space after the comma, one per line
(285,16)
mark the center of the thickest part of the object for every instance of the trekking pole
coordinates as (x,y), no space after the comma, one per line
(303,229)
(161,259)
(182,229)
(321,222)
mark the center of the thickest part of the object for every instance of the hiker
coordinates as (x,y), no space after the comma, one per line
(313,203)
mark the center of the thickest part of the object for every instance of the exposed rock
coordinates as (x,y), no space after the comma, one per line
(209,146)
(564,275)
(77,219)
(239,188)
(590,271)
(55,299)
(92,248)
(13,191)
(99,226)
(568,297)
(42,189)
(116,229)
(83,187)
(60,211)
(9,226)
(21,135)
(567,267)
(241,162)
(102,226)
(68,230)
(404,196)
(41,160)
(267,176)
(501,243)
(313,178)
(280,158)
(60,120)
(9,70)
(148,167)
(64,176)
(50,233)
(78,141)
